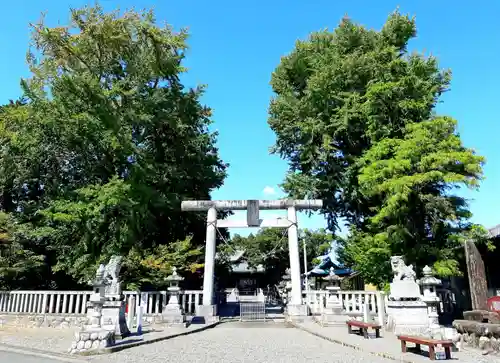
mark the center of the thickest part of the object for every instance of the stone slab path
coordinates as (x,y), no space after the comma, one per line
(242,343)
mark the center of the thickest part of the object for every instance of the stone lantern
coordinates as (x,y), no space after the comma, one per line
(333,312)
(173,313)
(429,284)
(286,284)
(333,302)
(97,298)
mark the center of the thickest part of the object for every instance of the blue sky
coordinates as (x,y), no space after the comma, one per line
(235,45)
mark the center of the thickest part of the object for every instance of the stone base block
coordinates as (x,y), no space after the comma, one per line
(173,317)
(207,312)
(113,318)
(407,317)
(484,336)
(92,340)
(329,320)
(338,308)
(333,317)
(297,312)
(482,316)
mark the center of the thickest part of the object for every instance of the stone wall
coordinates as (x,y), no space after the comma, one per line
(479,335)
(62,321)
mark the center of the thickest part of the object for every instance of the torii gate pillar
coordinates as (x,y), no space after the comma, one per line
(295,306)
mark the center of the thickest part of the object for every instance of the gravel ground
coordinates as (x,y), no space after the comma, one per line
(233,343)
(59,340)
(229,342)
(48,339)
(10,357)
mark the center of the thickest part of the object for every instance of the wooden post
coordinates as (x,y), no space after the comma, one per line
(403,346)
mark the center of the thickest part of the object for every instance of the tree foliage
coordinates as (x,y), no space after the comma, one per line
(269,248)
(354,117)
(16,262)
(104,146)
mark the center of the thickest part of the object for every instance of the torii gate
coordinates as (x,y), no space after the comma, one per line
(295,307)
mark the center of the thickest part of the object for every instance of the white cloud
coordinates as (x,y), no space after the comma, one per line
(269,190)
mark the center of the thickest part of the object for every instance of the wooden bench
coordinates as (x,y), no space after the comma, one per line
(363,328)
(431,343)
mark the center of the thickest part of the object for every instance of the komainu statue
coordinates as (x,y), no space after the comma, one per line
(112,275)
(401,271)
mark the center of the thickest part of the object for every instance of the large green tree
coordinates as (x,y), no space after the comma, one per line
(351,111)
(420,216)
(105,145)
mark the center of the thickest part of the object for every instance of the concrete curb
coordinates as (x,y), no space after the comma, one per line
(353,346)
(118,348)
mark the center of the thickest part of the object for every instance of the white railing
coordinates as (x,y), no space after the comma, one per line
(353,302)
(44,302)
(75,302)
(155,300)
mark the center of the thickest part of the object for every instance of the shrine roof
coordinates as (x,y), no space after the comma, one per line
(494,231)
(243,267)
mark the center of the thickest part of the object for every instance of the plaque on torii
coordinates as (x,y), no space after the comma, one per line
(253,207)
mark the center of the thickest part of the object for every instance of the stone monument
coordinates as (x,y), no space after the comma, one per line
(113,310)
(172,313)
(333,312)
(406,311)
(94,337)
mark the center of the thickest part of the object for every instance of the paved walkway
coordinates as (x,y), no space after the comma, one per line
(388,345)
(242,343)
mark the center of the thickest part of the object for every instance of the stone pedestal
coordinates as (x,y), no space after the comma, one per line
(432,311)
(113,318)
(333,314)
(333,301)
(207,312)
(297,312)
(173,315)
(407,317)
(92,339)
